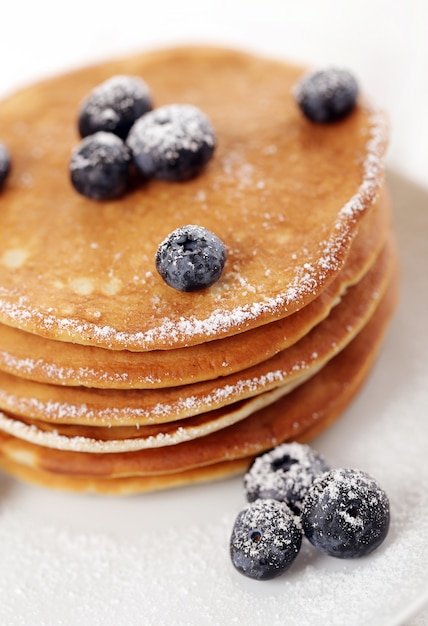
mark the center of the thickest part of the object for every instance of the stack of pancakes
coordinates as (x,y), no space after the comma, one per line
(112,381)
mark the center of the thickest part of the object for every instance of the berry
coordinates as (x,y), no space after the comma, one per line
(114,106)
(284,473)
(191,258)
(266,539)
(345,513)
(99,166)
(4,163)
(172,143)
(327,95)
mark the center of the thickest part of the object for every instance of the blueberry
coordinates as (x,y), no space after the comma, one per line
(99,166)
(4,163)
(173,142)
(327,95)
(266,538)
(284,473)
(191,258)
(345,513)
(114,106)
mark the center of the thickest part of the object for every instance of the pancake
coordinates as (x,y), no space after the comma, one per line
(285,195)
(39,359)
(122,486)
(127,407)
(313,405)
(110,380)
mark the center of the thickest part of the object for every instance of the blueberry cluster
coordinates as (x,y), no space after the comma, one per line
(119,127)
(327,95)
(342,512)
(4,163)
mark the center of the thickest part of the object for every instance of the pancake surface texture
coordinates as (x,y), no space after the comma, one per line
(283,194)
(112,381)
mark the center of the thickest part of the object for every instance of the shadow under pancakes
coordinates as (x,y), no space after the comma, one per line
(7,485)
(409,324)
(410,224)
(404,193)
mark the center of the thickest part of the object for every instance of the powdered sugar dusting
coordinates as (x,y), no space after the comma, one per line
(182,406)
(89,558)
(26,367)
(52,439)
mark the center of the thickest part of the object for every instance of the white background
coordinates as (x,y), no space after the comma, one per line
(383,41)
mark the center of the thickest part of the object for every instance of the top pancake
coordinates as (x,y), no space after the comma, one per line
(285,195)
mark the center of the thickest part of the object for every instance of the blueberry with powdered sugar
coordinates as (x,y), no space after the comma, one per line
(191,258)
(173,142)
(114,106)
(327,95)
(265,540)
(4,163)
(345,513)
(99,166)
(284,473)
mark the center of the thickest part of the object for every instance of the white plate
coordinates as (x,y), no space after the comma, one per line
(163,558)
